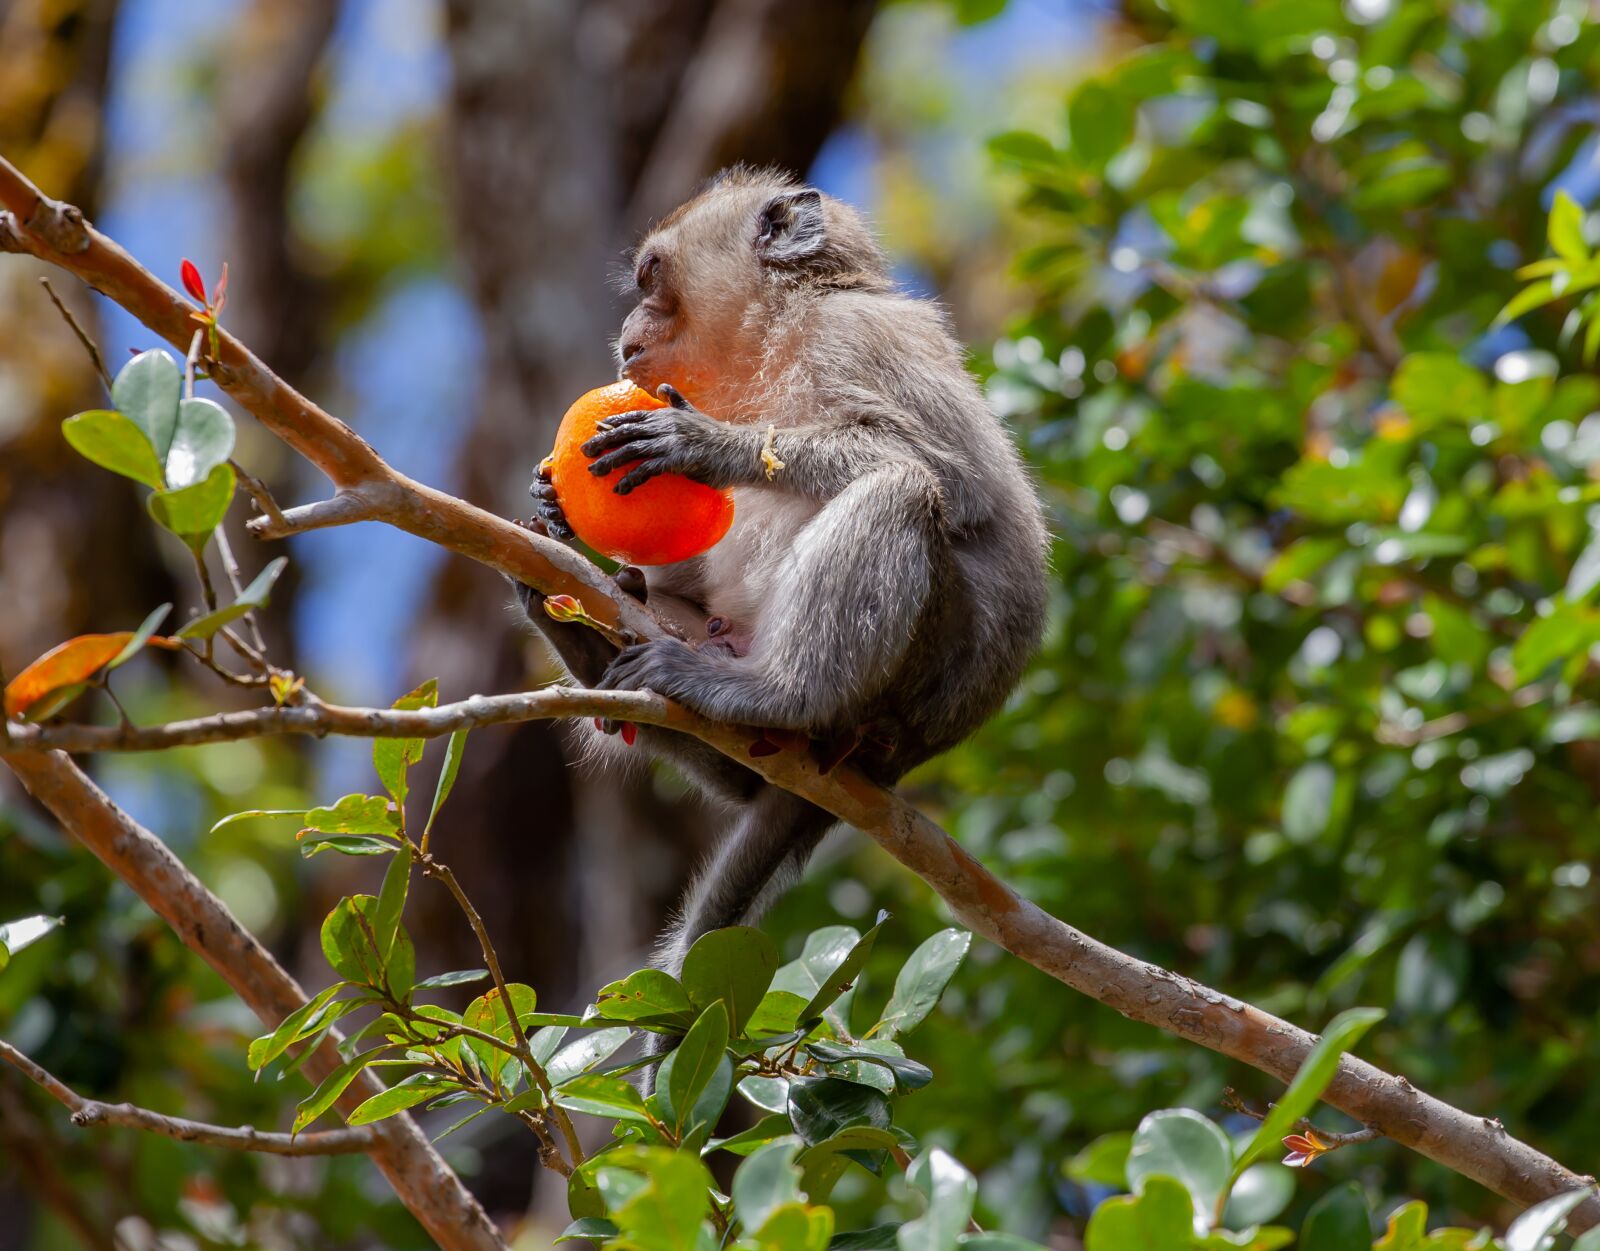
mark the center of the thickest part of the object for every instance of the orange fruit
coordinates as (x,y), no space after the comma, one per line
(668,519)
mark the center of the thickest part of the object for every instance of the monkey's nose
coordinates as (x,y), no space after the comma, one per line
(630,349)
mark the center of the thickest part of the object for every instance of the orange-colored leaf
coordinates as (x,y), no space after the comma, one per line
(67,664)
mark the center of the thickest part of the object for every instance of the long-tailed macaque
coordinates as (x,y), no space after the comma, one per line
(883,583)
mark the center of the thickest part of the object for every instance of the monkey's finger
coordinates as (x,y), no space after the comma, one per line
(632,417)
(605,440)
(631,580)
(542,490)
(666,391)
(647,450)
(640,474)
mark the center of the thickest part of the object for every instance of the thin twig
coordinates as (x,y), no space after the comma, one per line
(1333,1138)
(231,567)
(83,336)
(257,490)
(441,872)
(86,1112)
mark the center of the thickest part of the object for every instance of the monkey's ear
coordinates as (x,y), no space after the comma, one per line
(790,229)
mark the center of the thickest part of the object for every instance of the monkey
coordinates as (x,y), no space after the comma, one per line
(882,586)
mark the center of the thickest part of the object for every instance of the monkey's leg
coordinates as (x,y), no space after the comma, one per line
(842,612)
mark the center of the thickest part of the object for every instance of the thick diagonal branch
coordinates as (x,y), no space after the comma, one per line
(1473,1146)
(423,1182)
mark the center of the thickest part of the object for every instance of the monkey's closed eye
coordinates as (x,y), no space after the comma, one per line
(648,269)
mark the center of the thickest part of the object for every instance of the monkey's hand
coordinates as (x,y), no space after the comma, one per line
(666,666)
(676,439)
(546,505)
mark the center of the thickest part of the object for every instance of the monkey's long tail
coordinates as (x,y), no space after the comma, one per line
(752,867)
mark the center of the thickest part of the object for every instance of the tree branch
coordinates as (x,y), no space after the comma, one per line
(1470,1145)
(86,1112)
(319,719)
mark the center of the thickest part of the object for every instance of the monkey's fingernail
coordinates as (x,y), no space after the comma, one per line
(764,746)
(599,724)
(629,732)
(631,581)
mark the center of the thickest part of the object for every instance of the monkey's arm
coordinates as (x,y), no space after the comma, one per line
(817,460)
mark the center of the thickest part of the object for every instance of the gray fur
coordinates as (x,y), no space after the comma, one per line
(884,588)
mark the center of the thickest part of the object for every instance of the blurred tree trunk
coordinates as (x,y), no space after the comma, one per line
(570,125)
(75,554)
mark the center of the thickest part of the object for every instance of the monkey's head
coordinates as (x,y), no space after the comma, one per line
(714,277)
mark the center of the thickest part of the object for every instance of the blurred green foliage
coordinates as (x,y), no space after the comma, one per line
(1314,723)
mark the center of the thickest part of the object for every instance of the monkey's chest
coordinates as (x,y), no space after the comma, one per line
(746,569)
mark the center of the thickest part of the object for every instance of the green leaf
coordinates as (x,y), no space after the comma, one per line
(1162,1216)
(418,1088)
(825,951)
(253,596)
(922,980)
(819,1107)
(391,757)
(667,1212)
(1569,632)
(1534,295)
(1310,1080)
(202,441)
(770,1094)
(841,980)
(594,1228)
(346,845)
(195,511)
(1536,1229)
(1339,1221)
(1300,560)
(392,900)
(774,1125)
(908,1074)
(1437,388)
(1566,229)
(698,1121)
(333,1085)
(25,931)
(447,776)
(777,1013)
(648,994)
(1101,121)
(734,965)
(576,1057)
(996,1242)
(141,636)
(488,1014)
(1589,1241)
(951,1191)
(1181,1144)
(1308,801)
(264,1050)
(355,814)
(765,1182)
(460,977)
(1259,1193)
(599,1094)
(697,1058)
(251,813)
(112,441)
(146,391)
(347,941)
(1104,1161)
